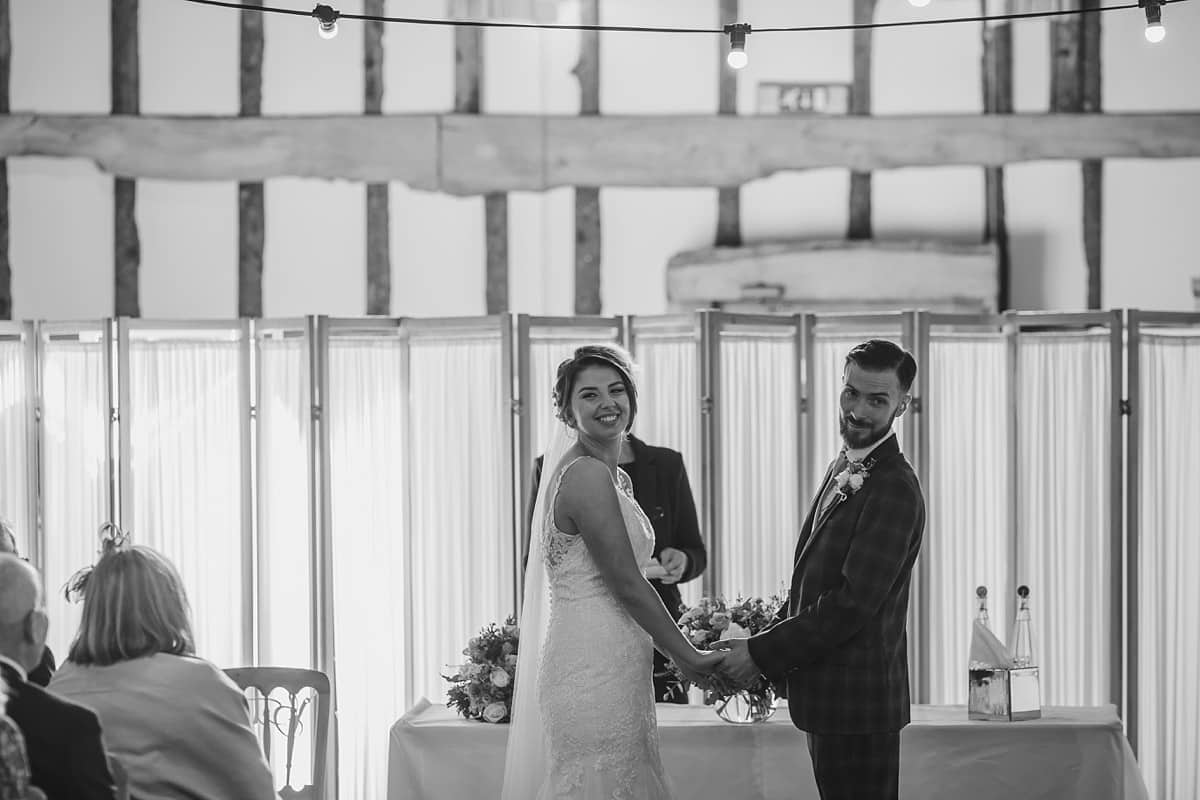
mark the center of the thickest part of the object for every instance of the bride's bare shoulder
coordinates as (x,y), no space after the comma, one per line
(581,471)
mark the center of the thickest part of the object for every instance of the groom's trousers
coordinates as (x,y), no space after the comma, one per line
(862,766)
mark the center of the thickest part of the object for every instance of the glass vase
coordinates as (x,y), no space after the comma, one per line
(745,707)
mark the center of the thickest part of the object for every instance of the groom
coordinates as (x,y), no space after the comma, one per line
(840,643)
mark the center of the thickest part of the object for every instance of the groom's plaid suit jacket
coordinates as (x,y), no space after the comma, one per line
(842,646)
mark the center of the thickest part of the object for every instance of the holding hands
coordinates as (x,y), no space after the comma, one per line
(725,669)
(737,668)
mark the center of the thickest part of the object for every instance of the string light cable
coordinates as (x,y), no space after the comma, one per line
(327,18)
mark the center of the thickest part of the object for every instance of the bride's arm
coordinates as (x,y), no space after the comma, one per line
(587,504)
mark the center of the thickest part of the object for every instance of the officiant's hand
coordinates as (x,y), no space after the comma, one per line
(739,668)
(674,562)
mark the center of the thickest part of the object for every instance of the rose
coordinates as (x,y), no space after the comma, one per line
(720,621)
(495,712)
(506,648)
(699,637)
(510,661)
(850,480)
(500,678)
(735,631)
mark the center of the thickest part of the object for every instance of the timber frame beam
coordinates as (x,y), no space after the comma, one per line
(469,154)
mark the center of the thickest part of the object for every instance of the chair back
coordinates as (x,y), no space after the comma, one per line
(272,717)
(120,777)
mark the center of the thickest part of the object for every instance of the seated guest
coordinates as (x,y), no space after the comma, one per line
(62,739)
(45,668)
(179,726)
(14,765)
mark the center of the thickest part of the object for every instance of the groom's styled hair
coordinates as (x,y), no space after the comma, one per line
(878,355)
(604,355)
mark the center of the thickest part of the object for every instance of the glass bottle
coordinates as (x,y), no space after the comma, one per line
(1022,635)
(981,612)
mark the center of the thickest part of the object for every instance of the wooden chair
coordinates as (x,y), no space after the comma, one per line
(286,720)
(120,777)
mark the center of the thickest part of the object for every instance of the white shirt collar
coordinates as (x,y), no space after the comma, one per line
(860,453)
(20,670)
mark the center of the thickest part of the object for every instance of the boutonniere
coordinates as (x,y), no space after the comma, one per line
(852,478)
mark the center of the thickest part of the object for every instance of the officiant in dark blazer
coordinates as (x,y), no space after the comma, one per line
(840,644)
(661,488)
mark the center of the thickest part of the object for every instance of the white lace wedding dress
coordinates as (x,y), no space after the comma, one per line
(595,686)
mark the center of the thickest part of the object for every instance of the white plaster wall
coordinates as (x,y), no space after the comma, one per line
(61,210)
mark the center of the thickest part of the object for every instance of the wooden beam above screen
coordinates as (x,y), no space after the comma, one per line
(467,154)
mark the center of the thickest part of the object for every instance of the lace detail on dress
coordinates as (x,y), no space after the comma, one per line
(595,691)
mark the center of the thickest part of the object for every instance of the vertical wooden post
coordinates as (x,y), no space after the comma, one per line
(468,90)
(1093,168)
(859,226)
(5,71)
(587,198)
(997,75)
(124,76)
(379,267)
(251,205)
(1074,88)
(729,200)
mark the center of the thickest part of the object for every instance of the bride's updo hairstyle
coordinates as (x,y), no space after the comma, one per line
(604,355)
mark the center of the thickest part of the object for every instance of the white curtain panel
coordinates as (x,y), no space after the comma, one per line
(462,546)
(186,466)
(15,479)
(759,464)
(285,604)
(74,468)
(669,408)
(966,408)
(364,414)
(1168,564)
(1063,548)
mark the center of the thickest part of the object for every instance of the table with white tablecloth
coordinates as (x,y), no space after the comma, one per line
(1071,752)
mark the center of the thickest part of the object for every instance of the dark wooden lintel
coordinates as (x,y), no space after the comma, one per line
(475,154)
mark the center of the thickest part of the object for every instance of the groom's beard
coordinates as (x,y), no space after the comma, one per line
(858,438)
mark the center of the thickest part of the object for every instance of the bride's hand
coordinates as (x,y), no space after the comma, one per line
(701,666)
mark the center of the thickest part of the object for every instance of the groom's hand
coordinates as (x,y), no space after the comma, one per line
(738,666)
(675,562)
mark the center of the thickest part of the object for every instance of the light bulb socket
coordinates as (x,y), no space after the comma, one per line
(1153,11)
(738,31)
(327,17)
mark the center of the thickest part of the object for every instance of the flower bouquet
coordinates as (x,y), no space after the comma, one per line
(483,687)
(712,620)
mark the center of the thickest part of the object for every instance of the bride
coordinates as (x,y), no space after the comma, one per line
(584,726)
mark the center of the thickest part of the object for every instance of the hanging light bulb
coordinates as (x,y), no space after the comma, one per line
(1155,32)
(738,31)
(918,3)
(327,18)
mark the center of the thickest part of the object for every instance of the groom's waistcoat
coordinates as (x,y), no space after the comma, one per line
(842,649)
